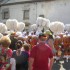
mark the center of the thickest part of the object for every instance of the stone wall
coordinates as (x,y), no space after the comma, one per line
(54,10)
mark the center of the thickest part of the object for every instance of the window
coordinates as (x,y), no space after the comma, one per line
(41,16)
(5,14)
(26,14)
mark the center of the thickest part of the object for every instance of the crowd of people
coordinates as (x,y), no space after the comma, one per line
(30,52)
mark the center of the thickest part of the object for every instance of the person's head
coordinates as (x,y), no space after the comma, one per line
(13,34)
(42,37)
(5,41)
(26,47)
(48,33)
(34,39)
(19,44)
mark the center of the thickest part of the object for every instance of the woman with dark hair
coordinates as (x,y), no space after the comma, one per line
(13,38)
(20,56)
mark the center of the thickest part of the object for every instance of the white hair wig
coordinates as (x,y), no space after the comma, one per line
(67,27)
(46,22)
(3,28)
(39,21)
(39,28)
(12,24)
(33,27)
(43,23)
(21,26)
(57,27)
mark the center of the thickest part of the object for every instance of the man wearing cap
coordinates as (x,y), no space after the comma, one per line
(40,55)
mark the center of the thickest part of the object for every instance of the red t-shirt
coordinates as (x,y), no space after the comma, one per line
(41,56)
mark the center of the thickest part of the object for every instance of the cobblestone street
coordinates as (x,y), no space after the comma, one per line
(62,65)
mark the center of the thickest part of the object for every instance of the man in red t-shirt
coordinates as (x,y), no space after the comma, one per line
(40,55)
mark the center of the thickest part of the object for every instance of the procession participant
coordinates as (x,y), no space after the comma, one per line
(58,46)
(66,43)
(34,40)
(40,54)
(20,56)
(27,48)
(13,40)
(5,53)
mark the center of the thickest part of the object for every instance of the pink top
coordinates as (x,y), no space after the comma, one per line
(8,52)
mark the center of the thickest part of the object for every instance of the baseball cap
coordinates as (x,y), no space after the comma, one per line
(48,32)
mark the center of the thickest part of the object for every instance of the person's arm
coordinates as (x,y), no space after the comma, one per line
(31,60)
(32,57)
(13,63)
(51,56)
(51,63)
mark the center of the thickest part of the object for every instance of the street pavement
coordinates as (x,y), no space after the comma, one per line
(61,65)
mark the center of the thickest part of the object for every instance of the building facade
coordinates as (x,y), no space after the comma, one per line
(28,10)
